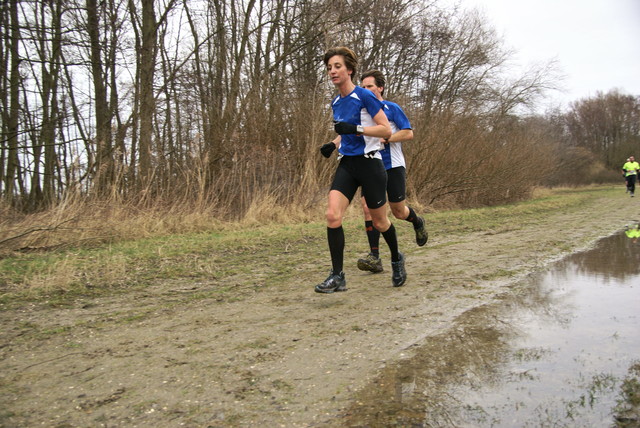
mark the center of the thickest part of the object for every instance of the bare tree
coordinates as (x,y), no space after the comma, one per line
(228,99)
(146,65)
(10,99)
(103,137)
(607,124)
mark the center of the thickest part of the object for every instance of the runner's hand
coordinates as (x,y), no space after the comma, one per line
(327,149)
(345,128)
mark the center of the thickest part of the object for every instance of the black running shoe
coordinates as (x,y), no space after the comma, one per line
(421,233)
(399,273)
(370,263)
(334,282)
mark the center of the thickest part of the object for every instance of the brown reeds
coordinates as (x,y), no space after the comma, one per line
(453,163)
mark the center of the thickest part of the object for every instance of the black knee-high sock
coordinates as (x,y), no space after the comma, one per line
(335,236)
(392,241)
(413,218)
(374,238)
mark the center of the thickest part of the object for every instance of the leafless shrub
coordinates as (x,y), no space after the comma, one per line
(204,113)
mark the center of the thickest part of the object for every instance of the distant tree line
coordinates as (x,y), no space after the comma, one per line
(223,103)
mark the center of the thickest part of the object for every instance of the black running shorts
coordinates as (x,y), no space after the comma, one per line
(356,171)
(397,184)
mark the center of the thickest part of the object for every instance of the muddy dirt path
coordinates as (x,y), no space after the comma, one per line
(286,356)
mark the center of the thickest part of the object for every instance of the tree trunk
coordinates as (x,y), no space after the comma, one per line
(104,150)
(147,57)
(12,161)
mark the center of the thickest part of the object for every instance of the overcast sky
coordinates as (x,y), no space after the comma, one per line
(595,42)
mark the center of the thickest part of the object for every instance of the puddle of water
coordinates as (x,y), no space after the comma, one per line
(554,353)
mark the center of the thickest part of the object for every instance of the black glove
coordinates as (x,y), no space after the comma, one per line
(327,149)
(345,127)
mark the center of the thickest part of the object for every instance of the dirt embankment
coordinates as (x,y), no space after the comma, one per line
(284,356)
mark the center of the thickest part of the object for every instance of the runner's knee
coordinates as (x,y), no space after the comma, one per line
(334,218)
(399,212)
(381,224)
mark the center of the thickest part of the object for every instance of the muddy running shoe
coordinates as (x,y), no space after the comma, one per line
(334,282)
(370,263)
(421,233)
(399,273)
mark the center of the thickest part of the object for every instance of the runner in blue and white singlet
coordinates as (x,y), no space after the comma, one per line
(392,155)
(395,165)
(362,126)
(357,108)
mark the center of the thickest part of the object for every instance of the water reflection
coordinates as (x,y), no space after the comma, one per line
(552,353)
(615,257)
(633,232)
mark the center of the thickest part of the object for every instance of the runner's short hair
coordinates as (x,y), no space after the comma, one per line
(350,58)
(377,76)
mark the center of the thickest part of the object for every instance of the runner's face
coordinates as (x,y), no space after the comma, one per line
(338,72)
(370,84)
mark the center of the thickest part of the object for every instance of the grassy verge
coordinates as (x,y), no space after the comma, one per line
(256,255)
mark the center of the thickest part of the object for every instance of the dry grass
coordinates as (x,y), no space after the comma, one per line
(81,223)
(86,223)
(100,248)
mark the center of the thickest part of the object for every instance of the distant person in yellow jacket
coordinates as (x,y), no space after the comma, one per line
(630,170)
(625,177)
